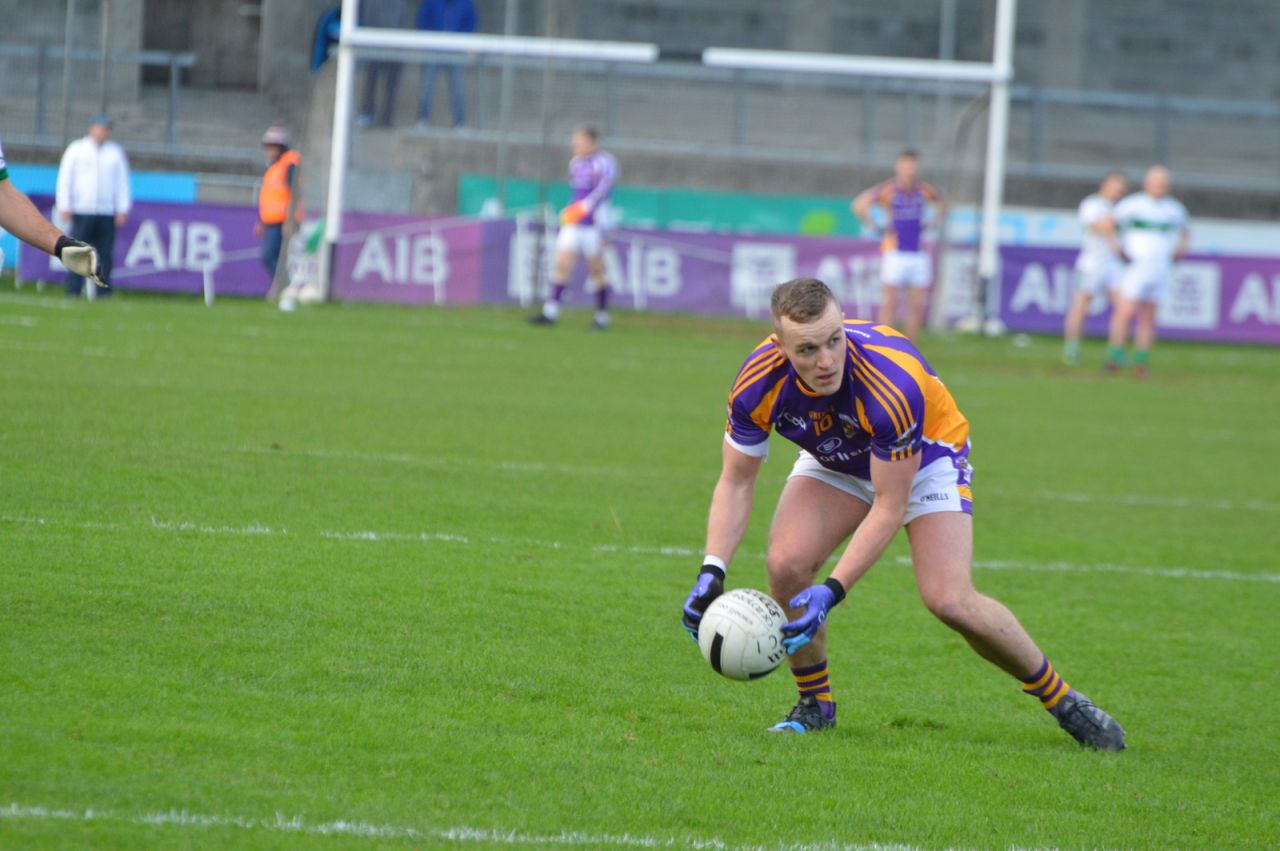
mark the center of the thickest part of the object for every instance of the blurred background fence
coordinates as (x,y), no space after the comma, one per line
(1099,85)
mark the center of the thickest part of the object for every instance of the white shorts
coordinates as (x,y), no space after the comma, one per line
(911,268)
(1145,281)
(1096,277)
(580,239)
(944,485)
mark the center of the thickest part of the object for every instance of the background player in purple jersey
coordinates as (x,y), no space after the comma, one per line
(21,218)
(904,263)
(592,173)
(883,446)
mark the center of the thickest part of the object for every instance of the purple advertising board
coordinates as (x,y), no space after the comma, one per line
(413,259)
(1231,299)
(169,247)
(726,274)
(436,260)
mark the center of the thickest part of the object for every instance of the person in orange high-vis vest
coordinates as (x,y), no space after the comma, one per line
(278,208)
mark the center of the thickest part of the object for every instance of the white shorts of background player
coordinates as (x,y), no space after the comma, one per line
(1145,280)
(587,240)
(906,268)
(1097,275)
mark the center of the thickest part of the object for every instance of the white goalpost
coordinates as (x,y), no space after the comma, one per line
(353,38)
(997,74)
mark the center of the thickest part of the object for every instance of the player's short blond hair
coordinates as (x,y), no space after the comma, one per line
(801,300)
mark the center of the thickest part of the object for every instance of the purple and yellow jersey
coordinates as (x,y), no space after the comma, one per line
(891,405)
(591,179)
(905,208)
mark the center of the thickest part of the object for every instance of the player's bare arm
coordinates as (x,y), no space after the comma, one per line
(861,207)
(726,524)
(1105,227)
(21,218)
(892,481)
(731,503)
(1184,242)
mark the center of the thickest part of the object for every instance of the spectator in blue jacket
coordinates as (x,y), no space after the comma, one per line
(325,36)
(450,16)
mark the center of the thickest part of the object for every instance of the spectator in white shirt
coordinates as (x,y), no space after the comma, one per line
(93,194)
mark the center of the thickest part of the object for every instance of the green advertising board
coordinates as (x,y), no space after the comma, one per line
(680,209)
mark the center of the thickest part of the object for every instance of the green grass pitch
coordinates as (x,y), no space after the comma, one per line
(373,577)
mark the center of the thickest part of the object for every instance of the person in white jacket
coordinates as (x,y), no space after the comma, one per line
(93,196)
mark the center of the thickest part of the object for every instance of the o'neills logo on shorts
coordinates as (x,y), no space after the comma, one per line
(935,497)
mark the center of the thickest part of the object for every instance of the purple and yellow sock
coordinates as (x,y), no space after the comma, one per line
(814,681)
(557,292)
(1046,685)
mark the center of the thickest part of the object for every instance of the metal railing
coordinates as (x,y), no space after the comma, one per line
(886,115)
(45,55)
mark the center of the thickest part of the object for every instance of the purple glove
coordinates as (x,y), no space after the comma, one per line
(710,585)
(817,601)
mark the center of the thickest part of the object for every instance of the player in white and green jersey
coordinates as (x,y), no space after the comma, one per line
(1098,266)
(21,218)
(1154,234)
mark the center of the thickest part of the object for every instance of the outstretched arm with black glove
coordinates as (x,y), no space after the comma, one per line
(726,524)
(21,218)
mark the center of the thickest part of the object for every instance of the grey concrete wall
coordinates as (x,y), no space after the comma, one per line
(433,165)
(225,35)
(284,67)
(34,23)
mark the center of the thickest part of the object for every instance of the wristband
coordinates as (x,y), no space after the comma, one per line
(63,242)
(717,572)
(836,589)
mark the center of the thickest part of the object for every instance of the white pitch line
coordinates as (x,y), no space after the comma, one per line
(541,468)
(251,529)
(446,537)
(1162,572)
(343,827)
(1163,501)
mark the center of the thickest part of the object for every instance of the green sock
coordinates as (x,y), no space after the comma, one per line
(1115,355)
(1071,349)
(1140,356)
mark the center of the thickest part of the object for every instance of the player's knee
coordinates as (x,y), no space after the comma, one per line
(954,607)
(788,575)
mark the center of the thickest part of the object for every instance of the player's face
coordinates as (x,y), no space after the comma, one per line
(1157,182)
(582,144)
(816,349)
(907,169)
(1114,186)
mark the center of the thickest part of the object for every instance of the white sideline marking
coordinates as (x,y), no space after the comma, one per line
(375,536)
(396,536)
(85,351)
(541,467)
(343,827)
(252,529)
(1163,501)
(36,301)
(1162,572)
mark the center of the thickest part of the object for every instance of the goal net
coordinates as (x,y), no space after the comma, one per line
(476,129)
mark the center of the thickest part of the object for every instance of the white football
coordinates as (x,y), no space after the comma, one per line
(741,634)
